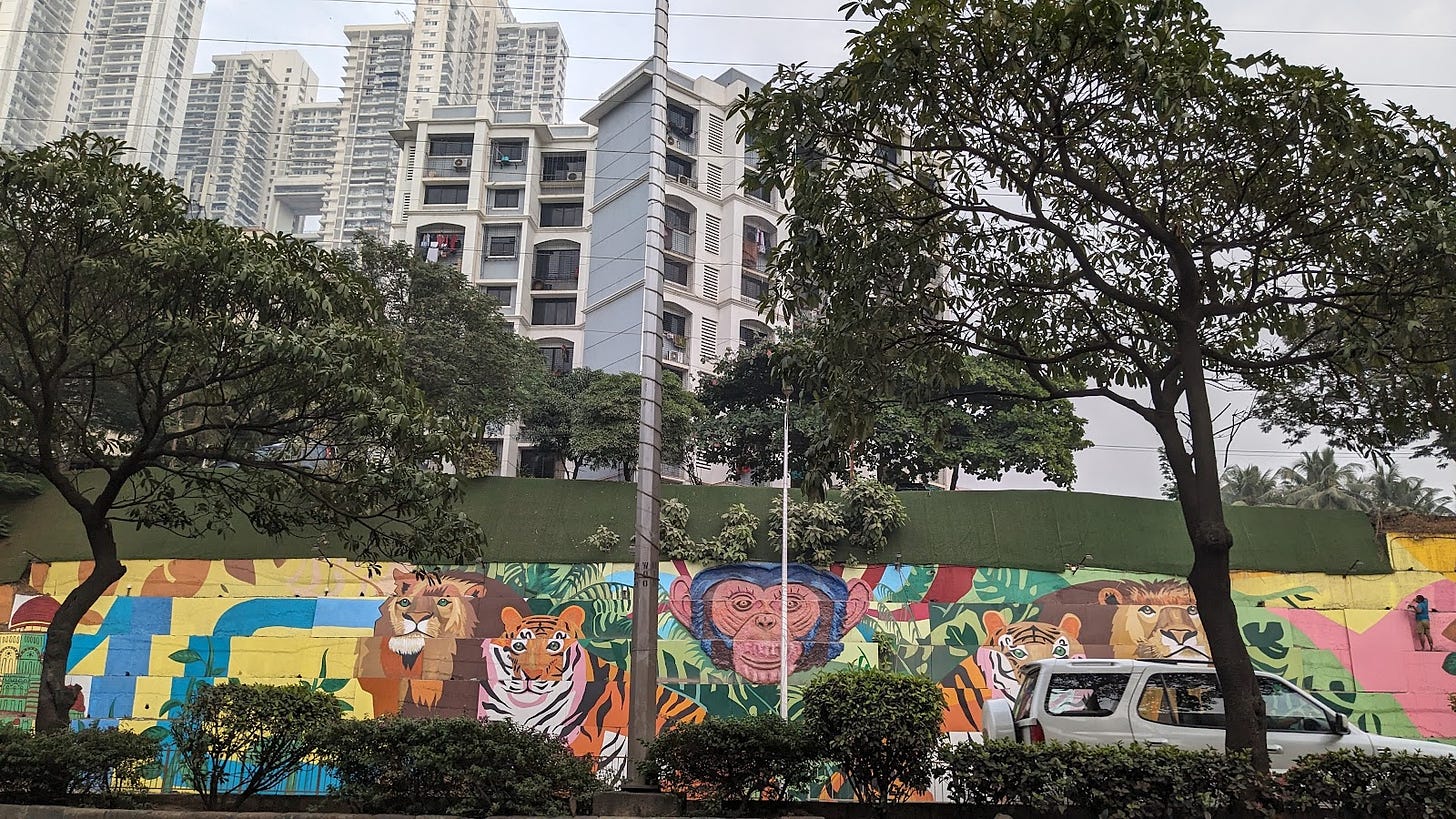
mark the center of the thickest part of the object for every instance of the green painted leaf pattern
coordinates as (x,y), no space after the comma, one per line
(185,655)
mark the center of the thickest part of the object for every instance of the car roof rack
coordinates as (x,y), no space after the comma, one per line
(1175,661)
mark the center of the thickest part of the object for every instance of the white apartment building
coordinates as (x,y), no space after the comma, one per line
(304,165)
(552,220)
(135,77)
(233,132)
(117,67)
(40,72)
(504,197)
(530,69)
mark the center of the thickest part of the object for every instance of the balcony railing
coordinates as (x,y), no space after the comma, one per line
(682,143)
(554,281)
(680,242)
(675,349)
(447,166)
(563,177)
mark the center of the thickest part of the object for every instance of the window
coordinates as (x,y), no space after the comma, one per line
(553,311)
(888,154)
(677,166)
(678,219)
(501,247)
(558,357)
(561,214)
(676,271)
(681,120)
(508,151)
(454,145)
(563,167)
(1028,684)
(754,287)
(557,264)
(757,240)
(1195,701)
(1084,695)
(536,463)
(674,325)
(506,198)
(750,336)
(446,194)
(1285,709)
(504,294)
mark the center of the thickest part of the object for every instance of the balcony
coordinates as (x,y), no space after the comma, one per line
(437,167)
(682,142)
(675,348)
(554,281)
(679,242)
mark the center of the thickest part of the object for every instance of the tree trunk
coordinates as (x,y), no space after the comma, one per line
(1243,706)
(53,709)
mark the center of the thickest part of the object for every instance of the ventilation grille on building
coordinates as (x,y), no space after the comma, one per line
(714,181)
(708,338)
(710,282)
(703,463)
(712,236)
(715,133)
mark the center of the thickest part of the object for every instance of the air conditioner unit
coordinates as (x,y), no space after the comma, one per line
(675,355)
(686,180)
(671,141)
(462,162)
(573,176)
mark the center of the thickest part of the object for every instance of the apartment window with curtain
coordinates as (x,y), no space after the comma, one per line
(546,312)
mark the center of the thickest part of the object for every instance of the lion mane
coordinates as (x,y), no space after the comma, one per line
(1131,618)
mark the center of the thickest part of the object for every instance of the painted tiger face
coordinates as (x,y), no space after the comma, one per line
(539,647)
(419,609)
(1009,646)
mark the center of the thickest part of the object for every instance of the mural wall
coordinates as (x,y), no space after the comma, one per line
(546,644)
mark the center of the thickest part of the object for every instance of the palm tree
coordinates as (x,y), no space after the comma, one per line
(1386,490)
(1250,486)
(1318,481)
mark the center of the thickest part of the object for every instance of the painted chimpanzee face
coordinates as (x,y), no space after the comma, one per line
(749,616)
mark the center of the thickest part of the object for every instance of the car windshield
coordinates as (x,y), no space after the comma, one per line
(1028,691)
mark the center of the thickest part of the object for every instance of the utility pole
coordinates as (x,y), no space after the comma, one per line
(642,674)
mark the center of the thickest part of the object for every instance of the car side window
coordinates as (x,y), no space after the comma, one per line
(1190,700)
(1084,695)
(1287,710)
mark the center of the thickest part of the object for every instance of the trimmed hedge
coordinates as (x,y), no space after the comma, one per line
(722,761)
(87,767)
(1386,784)
(457,766)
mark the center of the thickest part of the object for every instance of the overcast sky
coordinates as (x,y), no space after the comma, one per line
(604,45)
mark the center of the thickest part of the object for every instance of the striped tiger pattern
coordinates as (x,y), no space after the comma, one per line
(538,675)
(1009,646)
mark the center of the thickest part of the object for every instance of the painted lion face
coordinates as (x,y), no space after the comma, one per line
(1159,631)
(420,609)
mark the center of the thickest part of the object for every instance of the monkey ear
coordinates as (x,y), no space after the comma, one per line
(403,580)
(856,603)
(510,618)
(994,622)
(1110,596)
(680,601)
(1071,624)
(571,619)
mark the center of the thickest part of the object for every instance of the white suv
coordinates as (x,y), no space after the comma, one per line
(1171,703)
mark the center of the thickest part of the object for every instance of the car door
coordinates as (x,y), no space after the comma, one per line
(1179,708)
(1297,725)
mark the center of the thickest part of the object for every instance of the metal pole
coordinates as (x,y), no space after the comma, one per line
(642,674)
(784,574)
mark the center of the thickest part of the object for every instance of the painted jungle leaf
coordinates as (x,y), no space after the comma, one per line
(185,655)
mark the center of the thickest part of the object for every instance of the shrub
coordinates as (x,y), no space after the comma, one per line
(872,511)
(815,530)
(1384,784)
(732,760)
(882,729)
(235,740)
(603,540)
(1114,781)
(456,766)
(91,766)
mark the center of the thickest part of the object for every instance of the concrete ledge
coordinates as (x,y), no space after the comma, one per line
(637,804)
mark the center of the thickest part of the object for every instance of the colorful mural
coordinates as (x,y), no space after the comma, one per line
(546,645)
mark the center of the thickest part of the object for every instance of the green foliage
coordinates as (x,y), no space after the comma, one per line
(732,544)
(457,766)
(815,530)
(90,766)
(1384,784)
(727,760)
(591,418)
(872,512)
(885,648)
(881,729)
(235,739)
(1113,781)
(455,346)
(736,539)
(1318,481)
(603,540)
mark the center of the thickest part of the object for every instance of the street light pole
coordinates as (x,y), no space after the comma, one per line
(784,572)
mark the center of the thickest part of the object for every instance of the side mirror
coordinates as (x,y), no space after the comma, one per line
(1342,724)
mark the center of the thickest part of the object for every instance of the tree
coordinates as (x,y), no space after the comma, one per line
(546,419)
(1383,489)
(454,345)
(1250,486)
(987,435)
(1318,481)
(139,348)
(604,422)
(1100,194)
